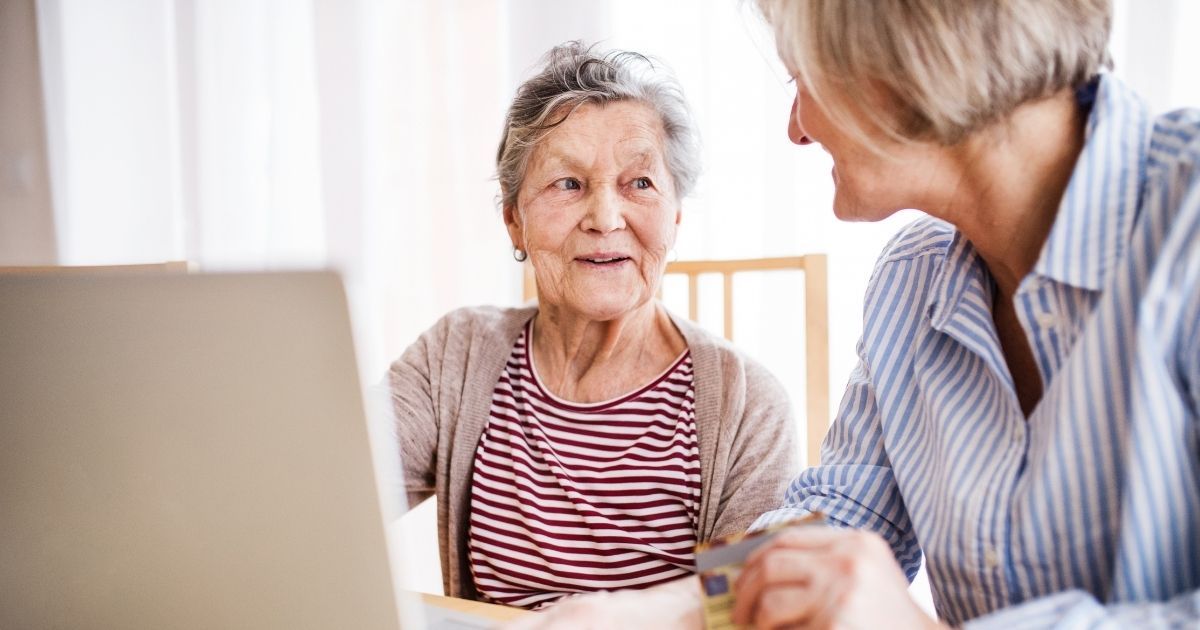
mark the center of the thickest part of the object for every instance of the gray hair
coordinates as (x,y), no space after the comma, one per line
(573,75)
(952,66)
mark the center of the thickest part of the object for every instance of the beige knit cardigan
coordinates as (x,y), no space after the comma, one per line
(441,391)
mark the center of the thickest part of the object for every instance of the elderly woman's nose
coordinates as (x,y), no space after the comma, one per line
(605,213)
(795,131)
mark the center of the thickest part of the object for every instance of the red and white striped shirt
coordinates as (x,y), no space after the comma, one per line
(569,498)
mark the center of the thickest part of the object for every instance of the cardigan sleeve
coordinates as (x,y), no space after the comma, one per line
(764,455)
(412,382)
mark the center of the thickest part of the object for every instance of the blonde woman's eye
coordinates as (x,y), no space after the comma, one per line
(567,183)
(642,183)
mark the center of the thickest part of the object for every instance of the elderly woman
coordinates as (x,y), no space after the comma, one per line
(588,442)
(1025,409)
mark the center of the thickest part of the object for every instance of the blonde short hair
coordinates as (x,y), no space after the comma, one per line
(951,67)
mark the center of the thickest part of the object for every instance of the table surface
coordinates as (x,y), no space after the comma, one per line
(494,612)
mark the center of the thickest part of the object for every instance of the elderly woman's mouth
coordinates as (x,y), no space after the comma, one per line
(602,260)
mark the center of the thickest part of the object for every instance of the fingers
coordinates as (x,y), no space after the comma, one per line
(809,537)
(783,560)
(800,577)
(828,540)
(812,606)
(782,567)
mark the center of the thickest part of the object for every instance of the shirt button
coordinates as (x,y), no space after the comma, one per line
(1046,320)
(991,559)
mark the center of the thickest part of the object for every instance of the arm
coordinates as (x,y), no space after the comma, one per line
(1184,275)
(670,606)
(1188,359)
(1078,609)
(763,458)
(411,384)
(854,486)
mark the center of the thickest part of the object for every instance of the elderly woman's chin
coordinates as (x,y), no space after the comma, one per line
(605,302)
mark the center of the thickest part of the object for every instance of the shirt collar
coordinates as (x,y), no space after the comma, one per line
(961,273)
(1097,212)
(960,303)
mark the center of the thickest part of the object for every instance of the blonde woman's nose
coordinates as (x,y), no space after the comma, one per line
(795,131)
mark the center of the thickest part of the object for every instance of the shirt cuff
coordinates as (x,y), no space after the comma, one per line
(782,515)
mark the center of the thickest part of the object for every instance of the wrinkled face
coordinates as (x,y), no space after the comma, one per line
(597,211)
(868,186)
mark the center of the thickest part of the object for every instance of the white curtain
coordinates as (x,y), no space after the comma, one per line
(272,134)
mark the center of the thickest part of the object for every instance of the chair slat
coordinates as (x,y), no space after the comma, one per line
(728,305)
(693,296)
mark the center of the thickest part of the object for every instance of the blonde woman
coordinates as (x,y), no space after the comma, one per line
(1024,412)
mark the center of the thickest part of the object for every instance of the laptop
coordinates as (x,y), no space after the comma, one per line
(188,451)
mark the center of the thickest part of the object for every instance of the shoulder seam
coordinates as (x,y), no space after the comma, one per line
(927,250)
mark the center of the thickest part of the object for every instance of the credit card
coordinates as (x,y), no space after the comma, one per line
(719,562)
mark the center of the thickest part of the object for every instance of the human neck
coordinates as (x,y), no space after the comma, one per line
(588,360)
(1012,180)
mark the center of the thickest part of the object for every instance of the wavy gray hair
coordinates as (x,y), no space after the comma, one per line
(572,75)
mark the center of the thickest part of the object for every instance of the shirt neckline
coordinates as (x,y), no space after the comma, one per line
(596,406)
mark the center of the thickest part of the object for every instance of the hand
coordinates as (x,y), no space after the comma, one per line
(669,606)
(821,577)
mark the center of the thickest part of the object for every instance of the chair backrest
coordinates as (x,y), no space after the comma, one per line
(172,266)
(816,323)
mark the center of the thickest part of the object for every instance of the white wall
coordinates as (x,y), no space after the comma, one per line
(1154,44)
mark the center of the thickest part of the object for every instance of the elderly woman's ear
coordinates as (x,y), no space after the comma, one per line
(675,232)
(512,221)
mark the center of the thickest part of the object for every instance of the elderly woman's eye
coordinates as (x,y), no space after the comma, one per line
(642,183)
(567,183)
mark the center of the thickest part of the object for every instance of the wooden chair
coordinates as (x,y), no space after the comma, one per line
(173,266)
(816,323)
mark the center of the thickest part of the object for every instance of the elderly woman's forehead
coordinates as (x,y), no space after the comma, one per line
(611,119)
(631,129)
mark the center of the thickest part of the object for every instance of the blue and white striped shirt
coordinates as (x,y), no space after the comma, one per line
(1087,513)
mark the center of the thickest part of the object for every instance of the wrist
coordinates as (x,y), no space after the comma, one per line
(684,597)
